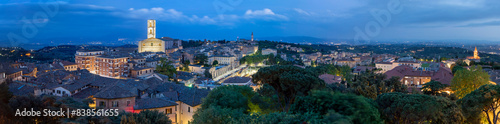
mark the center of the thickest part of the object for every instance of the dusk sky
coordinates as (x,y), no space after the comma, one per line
(112,20)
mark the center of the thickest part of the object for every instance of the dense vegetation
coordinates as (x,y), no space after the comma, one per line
(290,94)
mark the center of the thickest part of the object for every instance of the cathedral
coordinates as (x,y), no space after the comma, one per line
(476,55)
(152,44)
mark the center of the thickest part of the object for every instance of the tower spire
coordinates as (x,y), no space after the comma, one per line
(151,28)
(252,36)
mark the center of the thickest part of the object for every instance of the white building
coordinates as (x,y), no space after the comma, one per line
(269,51)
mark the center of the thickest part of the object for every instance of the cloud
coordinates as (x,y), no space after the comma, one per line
(300,11)
(266,14)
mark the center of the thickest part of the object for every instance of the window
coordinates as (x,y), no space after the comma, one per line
(143,44)
(189,109)
(58,92)
(115,103)
(151,44)
(168,111)
(128,103)
(102,104)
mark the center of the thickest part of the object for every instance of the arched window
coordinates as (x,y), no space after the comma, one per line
(143,44)
(151,44)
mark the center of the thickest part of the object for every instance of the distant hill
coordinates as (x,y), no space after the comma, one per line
(296,39)
(303,40)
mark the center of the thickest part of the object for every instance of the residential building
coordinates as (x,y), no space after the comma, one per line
(86,59)
(112,65)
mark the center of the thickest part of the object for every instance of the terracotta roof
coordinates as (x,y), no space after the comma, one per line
(443,75)
(66,63)
(330,79)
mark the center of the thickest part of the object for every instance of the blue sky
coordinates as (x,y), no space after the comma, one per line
(119,21)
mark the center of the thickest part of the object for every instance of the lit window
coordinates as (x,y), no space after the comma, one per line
(168,111)
(102,104)
(115,103)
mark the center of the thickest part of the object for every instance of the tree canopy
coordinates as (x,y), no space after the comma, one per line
(483,102)
(288,82)
(145,117)
(165,67)
(416,108)
(352,108)
(371,84)
(433,87)
(466,81)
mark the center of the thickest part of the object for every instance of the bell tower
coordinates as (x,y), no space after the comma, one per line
(151,28)
(252,36)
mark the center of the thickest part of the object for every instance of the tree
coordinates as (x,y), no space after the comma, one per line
(484,101)
(288,82)
(216,115)
(146,117)
(5,110)
(433,87)
(207,73)
(165,67)
(230,96)
(215,63)
(466,81)
(370,84)
(185,65)
(456,68)
(416,108)
(201,59)
(280,118)
(226,103)
(358,109)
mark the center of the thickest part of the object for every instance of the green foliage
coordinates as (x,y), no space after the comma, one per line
(230,96)
(254,59)
(185,65)
(349,107)
(216,115)
(5,110)
(165,67)
(215,63)
(280,118)
(417,108)
(433,87)
(456,68)
(483,102)
(344,71)
(466,81)
(371,84)
(207,73)
(145,117)
(288,82)
(200,59)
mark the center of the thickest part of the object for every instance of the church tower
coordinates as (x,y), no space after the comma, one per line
(151,28)
(476,55)
(252,36)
